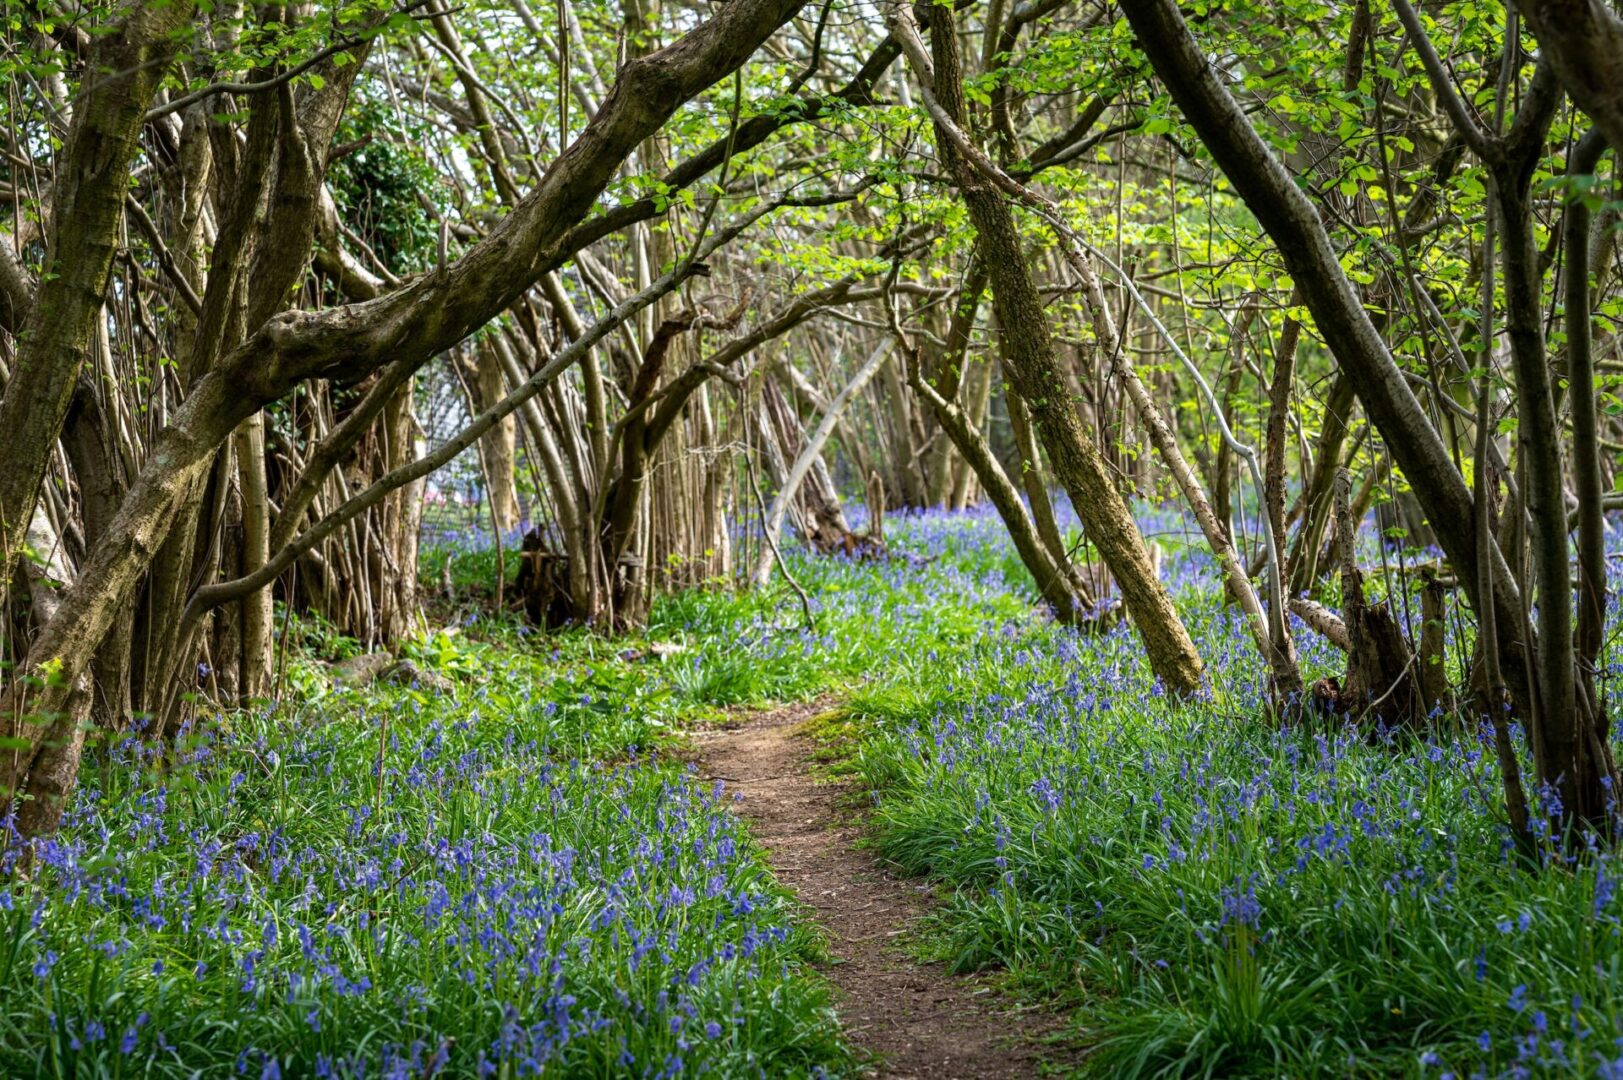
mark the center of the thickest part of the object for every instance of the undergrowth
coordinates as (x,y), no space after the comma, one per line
(519,872)
(1210,894)
(406,887)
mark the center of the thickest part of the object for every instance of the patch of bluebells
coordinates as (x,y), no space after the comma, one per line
(873,620)
(414,891)
(1314,900)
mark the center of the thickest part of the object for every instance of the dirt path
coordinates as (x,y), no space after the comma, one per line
(913,1020)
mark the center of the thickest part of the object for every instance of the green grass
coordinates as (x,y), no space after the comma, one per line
(521,870)
(1210,895)
(505,876)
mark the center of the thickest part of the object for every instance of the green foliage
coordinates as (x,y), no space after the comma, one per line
(379,185)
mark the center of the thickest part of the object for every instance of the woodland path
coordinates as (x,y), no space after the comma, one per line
(910,1020)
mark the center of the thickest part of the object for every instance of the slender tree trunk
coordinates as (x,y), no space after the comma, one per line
(1223,460)
(948,377)
(1303,563)
(1572,767)
(1043,556)
(500,443)
(1035,482)
(1034,372)
(257,620)
(395,579)
(1586,454)
(964,477)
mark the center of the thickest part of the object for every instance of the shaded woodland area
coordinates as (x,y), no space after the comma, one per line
(701,300)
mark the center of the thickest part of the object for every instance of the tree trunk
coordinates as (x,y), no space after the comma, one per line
(1303,563)
(499,443)
(1044,557)
(773,525)
(91,181)
(1034,372)
(254,680)
(1586,453)
(394,545)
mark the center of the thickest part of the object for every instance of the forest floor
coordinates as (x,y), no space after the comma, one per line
(907,1018)
(525,867)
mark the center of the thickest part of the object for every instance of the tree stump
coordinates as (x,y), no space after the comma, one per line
(1382,681)
(543,584)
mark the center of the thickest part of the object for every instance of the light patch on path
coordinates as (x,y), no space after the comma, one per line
(912,1020)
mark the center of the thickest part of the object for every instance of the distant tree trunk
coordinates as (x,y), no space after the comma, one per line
(88,440)
(1432,658)
(1223,460)
(909,487)
(500,443)
(1044,557)
(1287,674)
(815,508)
(392,554)
(1303,563)
(773,525)
(1035,481)
(942,463)
(965,479)
(254,680)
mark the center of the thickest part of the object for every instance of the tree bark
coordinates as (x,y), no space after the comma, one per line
(1584,41)
(500,443)
(257,620)
(1586,453)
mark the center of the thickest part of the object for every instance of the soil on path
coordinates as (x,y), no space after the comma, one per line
(910,1019)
